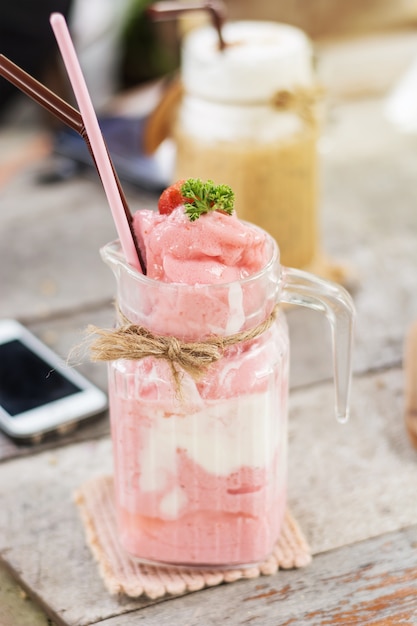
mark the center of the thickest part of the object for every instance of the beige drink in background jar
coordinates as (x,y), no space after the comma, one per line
(248,119)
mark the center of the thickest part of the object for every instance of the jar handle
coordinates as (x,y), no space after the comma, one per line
(304,289)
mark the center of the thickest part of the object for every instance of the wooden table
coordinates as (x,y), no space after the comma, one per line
(352,488)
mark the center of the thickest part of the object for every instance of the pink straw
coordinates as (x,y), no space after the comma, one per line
(98,146)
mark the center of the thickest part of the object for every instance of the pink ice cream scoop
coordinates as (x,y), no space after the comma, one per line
(217,255)
(216,248)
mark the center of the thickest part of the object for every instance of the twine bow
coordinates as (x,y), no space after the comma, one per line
(301,100)
(130,341)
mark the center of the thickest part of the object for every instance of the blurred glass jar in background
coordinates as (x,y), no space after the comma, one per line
(248,118)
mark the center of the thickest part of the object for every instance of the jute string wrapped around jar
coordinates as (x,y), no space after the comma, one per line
(130,341)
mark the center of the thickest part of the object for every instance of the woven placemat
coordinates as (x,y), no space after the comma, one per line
(124,575)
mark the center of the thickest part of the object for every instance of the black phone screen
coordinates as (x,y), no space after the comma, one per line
(27,381)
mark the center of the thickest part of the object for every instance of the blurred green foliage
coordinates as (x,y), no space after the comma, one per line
(149,49)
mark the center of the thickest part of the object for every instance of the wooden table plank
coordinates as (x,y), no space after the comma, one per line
(347,484)
(369,221)
(353,481)
(40,526)
(371,583)
(16,609)
(50,237)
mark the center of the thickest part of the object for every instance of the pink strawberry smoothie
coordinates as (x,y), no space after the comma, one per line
(216,248)
(200,478)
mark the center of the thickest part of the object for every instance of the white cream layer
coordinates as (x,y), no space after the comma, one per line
(214,122)
(221,438)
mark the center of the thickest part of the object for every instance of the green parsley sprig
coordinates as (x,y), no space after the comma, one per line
(206,196)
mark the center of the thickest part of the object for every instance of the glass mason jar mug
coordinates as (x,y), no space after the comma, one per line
(200,467)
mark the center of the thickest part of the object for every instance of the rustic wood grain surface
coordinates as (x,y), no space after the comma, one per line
(360,584)
(347,484)
(352,488)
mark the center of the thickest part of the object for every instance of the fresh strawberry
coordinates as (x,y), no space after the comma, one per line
(171,198)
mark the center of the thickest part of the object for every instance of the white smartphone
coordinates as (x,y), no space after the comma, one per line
(39,393)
